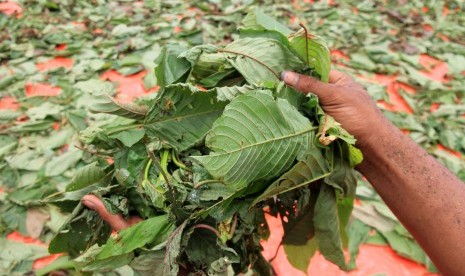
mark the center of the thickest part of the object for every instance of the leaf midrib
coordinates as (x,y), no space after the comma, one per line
(267,141)
(184,117)
(126,107)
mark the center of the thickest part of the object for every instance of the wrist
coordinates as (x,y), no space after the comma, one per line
(381,133)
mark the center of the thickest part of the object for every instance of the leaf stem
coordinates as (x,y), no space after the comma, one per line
(233,227)
(208,227)
(176,161)
(199,184)
(164,162)
(256,60)
(123,129)
(147,168)
(156,162)
(306,43)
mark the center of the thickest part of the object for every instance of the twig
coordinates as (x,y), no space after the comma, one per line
(306,42)
(208,227)
(233,227)
(199,184)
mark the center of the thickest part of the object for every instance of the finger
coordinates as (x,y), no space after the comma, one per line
(116,222)
(306,84)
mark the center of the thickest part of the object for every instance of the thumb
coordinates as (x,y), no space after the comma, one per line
(306,84)
(116,222)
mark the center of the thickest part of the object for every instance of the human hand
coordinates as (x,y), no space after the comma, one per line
(344,99)
(116,222)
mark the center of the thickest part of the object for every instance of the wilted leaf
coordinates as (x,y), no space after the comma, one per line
(327,227)
(106,104)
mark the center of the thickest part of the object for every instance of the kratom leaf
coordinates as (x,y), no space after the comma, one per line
(149,264)
(182,115)
(330,130)
(208,66)
(327,227)
(7,143)
(88,262)
(106,104)
(298,241)
(299,256)
(256,138)
(261,59)
(405,246)
(358,233)
(228,93)
(257,20)
(343,178)
(258,24)
(85,176)
(312,167)
(31,126)
(171,68)
(318,52)
(173,250)
(61,163)
(153,230)
(129,137)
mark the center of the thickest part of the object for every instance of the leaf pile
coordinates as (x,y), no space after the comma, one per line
(223,139)
(409,55)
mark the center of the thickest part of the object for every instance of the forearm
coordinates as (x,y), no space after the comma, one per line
(427,198)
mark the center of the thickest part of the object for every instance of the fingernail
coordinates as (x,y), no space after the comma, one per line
(289,77)
(282,75)
(89,203)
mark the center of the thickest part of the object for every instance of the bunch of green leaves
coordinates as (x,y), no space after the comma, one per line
(223,139)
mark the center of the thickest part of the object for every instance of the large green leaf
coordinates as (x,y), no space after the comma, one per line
(85,176)
(313,50)
(261,60)
(256,138)
(326,223)
(171,68)
(182,115)
(153,230)
(61,163)
(106,104)
(88,262)
(208,66)
(299,256)
(298,241)
(311,168)
(257,20)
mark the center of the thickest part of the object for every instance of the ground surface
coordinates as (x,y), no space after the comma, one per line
(410,55)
